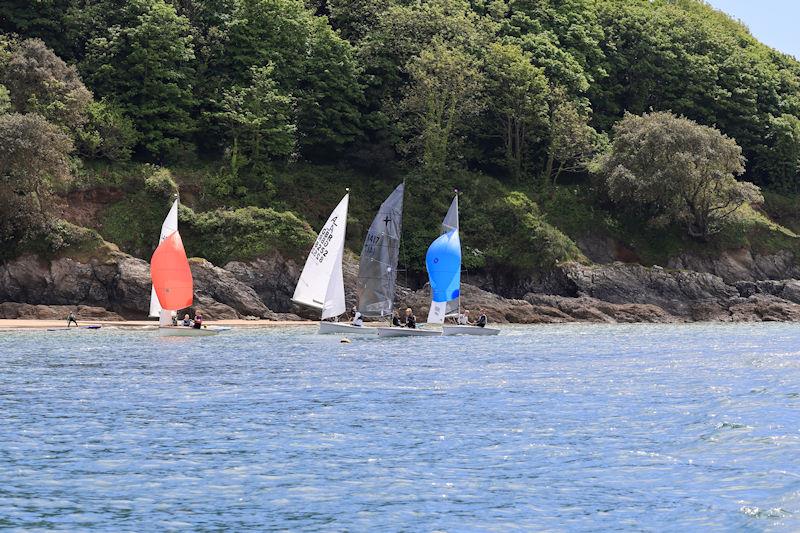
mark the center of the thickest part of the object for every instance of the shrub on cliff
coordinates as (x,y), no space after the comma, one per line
(523,240)
(673,170)
(33,158)
(226,235)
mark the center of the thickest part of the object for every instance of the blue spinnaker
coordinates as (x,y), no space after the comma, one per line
(444,266)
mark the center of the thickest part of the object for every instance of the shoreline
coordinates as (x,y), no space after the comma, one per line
(12,324)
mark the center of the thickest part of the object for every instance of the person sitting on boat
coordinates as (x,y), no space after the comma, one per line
(71,319)
(174,316)
(481,319)
(411,320)
(396,322)
(198,320)
(186,320)
(358,320)
(463,318)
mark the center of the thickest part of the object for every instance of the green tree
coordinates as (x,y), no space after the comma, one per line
(572,141)
(310,62)
(108,133)
(676,171)
(517,99)
(33,157)
(259,118)
(38,81)
(5,100)
(145,66)
(443,96)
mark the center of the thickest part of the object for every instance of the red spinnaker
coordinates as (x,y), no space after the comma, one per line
(171,275)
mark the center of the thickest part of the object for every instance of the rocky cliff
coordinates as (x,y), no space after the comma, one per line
(113,284)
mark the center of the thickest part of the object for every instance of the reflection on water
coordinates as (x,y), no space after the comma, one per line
(563,427)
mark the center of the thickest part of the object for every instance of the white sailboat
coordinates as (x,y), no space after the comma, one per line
(321,284)
(173,286)
(443,262)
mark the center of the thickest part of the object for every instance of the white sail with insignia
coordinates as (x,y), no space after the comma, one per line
(169,227)
(321,285)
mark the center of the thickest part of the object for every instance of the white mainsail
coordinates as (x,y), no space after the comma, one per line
(169,227)
(321,285)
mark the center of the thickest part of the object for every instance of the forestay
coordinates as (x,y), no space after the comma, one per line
(169,227)
(321,284)
(377,270)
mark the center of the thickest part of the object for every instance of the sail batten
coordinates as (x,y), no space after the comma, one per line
(321,284)
(377,269)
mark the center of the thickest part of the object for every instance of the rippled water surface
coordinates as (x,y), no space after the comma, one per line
(547,427)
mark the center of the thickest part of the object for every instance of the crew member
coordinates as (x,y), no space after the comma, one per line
(396,320)
(186,320)
(463,318)
(411,320)
(358,320)
(198,320)
(481,319)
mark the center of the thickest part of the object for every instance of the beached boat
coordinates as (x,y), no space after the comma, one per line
(173,286)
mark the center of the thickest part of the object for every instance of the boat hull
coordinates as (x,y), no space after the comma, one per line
(327,328)
(184,331)
(408,332)
(469,330)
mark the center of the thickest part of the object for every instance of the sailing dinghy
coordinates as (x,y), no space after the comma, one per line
(443,262)
(173,287)
(377,269)
(321,284)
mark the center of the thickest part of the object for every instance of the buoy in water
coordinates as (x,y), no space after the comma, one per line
(345,340)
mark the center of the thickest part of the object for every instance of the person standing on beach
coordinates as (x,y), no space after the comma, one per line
(71,319)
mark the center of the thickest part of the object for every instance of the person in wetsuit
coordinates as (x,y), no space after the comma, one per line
(358,319)
(198,320)
(411,320)
(481,319)
(396,322)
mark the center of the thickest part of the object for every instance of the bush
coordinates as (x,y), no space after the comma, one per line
(241,234)
(108,133)
(161,184)
(523,240)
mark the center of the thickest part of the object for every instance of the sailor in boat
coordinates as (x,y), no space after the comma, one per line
(481,319)
(358,320)
(463,318)
(186,320)
(396,322)
(71,319)
(411,320)
(198,320)
(174,317)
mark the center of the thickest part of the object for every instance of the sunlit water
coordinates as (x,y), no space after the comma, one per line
(547,427)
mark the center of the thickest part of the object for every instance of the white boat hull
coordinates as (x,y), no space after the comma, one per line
(469,330)
(185,331)
(349,329)
(408,332)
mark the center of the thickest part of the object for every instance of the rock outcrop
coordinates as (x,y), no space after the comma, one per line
(120,283)
(12,310)
(741,265)
(274,278)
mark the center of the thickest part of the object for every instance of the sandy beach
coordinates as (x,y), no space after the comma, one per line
(21,323)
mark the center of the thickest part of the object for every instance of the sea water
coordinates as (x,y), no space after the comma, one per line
(569,427)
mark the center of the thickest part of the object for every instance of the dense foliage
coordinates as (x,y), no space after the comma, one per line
(525,91)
